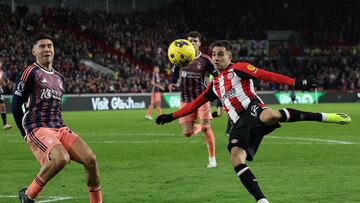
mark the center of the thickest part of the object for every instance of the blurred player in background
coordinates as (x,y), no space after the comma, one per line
(192,83)
(251,119)
(293,97)
(155,94)
(42,126)
(6,126)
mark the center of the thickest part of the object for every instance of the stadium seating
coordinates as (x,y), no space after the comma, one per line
(131,43)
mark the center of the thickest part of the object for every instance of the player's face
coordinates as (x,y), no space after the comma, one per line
(43,50)
(221,58)
(156,69)
(196,42)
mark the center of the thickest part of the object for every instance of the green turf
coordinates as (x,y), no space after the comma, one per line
(143,162)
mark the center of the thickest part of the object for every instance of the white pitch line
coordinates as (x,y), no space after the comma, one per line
(56,199)
(52,198)
(312,139)
(130,134)
(141,142)
(173,134)
(8,196)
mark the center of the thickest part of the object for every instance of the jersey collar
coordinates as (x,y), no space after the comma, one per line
(43,69)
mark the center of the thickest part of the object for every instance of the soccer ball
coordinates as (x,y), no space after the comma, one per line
(181,52)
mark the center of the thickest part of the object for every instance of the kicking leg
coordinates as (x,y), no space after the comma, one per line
(271,117)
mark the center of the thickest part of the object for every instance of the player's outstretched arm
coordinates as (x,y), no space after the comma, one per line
(186,110)
(249,71)
(204,97)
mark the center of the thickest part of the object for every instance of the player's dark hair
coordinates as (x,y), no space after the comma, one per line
(222,43)
(194,34)
(41,36)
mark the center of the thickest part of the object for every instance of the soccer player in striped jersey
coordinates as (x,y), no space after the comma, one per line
(251,119)
(53,144)
(155,94)
(6,126)
(192,83)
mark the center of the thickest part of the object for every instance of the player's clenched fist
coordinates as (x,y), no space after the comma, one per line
(306,84)
(164,118)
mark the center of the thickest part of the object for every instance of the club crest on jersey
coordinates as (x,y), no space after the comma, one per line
(254,109)
(251,67)
(230,75)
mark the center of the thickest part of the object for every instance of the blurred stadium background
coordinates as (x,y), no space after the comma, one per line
(106,51)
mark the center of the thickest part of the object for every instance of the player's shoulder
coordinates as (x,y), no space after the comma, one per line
(30,67)
(27,71)
(244,66)
(58,73)
(240,64)
(205,56)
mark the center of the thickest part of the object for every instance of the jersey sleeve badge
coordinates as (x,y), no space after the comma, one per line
(251,68)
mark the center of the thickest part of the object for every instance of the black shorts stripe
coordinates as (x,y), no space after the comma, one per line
(37,142)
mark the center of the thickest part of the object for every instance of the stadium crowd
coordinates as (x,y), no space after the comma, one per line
(144,36)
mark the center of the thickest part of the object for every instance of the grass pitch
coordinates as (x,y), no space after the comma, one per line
(142,162)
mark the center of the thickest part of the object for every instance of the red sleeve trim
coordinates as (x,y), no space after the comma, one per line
(26,72)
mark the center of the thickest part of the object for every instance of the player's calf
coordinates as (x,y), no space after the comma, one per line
(293,115)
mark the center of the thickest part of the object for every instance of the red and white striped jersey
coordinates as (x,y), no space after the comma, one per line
(234,92)
(235,88)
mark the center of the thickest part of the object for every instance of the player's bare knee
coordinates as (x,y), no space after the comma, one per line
(237,156)
(188,133)
(205,129)
(61,160)
(90,161)
(270,117)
